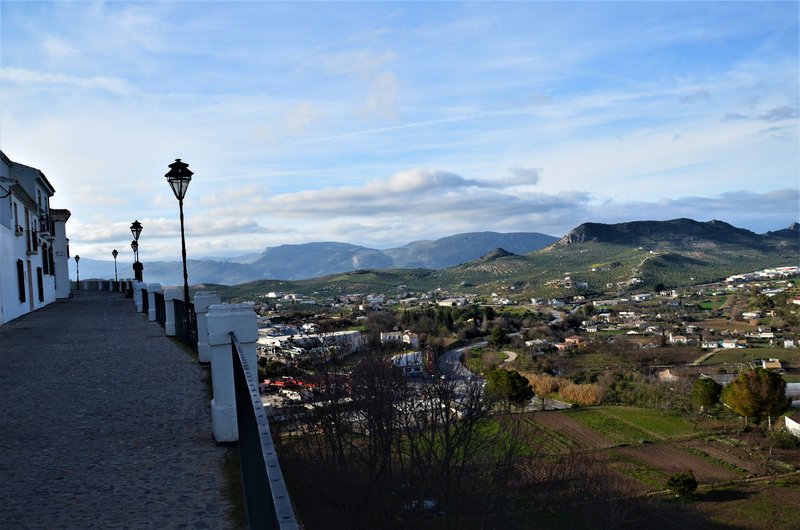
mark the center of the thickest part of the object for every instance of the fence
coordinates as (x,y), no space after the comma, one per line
(161,308)
(185,323)
(266,498)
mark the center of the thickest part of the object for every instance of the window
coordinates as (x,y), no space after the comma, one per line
(28,229)
(40,283)
(45,259)
(21,279)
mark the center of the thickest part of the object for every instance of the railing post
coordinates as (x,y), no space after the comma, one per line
(202,301)
(151,300)
(137,295)
(169,296)
(222,320)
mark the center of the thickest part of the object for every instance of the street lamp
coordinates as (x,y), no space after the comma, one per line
(115,254)
(179,176)
(77,271)
(136,230)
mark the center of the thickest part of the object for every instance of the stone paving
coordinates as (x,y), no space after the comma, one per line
(105,423)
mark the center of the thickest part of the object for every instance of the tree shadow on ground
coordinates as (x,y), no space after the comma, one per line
(723,495)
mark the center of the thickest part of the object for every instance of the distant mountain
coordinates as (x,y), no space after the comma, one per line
(677,233)
(313,260)
(461,248)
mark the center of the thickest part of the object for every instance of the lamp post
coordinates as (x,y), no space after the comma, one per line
(115,254)
(77,271)
(179,176)
(136,230)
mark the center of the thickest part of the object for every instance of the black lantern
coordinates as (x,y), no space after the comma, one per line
(77,271)
(136,230)
(115,254)
(179,176)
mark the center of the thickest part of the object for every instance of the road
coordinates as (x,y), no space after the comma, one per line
(511,356)
(450,363)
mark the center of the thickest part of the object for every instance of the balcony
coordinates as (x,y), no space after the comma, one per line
(107,424)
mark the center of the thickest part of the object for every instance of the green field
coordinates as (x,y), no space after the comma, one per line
(627,465)
(628,425)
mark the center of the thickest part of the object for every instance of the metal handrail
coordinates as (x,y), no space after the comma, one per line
(185,330)
(161,308)
(265,493)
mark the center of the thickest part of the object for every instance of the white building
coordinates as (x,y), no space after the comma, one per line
(410,363)
(33,244)
(793,424)
(405,337)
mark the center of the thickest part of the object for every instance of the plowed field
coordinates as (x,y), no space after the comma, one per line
(582,437)
(738,457)
(672,459)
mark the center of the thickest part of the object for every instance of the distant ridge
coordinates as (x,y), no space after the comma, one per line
(793,231)
(676,233)
(312,260)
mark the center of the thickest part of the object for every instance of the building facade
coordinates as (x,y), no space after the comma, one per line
(34,250)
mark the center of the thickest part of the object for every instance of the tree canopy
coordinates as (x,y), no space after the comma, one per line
(683,483)
(508,384)
(758,394)
(705,393)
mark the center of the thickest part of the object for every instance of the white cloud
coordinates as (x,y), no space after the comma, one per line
(58,48)
(382,99)
(297,120)
(34,79)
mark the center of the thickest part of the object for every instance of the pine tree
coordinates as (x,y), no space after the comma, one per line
(758,394)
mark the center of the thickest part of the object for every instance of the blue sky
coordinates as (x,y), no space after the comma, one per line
(380,123)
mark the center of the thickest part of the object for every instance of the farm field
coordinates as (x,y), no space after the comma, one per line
(753,506)
(650,445)
(629,425)
(721,324)
(748,355)
(735,457)
(669,459)
(580,436)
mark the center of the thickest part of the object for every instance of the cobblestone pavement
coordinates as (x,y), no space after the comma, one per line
(105,423)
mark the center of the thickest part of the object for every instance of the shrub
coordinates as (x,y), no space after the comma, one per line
(784,440)
(682,483)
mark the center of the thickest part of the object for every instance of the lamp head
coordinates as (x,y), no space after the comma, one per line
(136,229)
(179,176)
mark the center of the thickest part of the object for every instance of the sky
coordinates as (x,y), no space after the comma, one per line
(382,123)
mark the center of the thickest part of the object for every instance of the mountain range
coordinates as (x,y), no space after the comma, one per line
(610,253)
(312,260)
